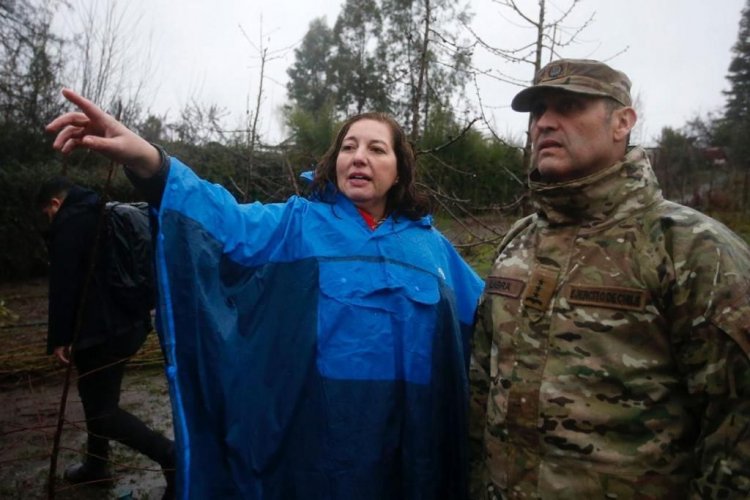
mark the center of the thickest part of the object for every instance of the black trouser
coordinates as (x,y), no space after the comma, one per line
(100,372)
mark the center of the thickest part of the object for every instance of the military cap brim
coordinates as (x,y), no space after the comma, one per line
(524,100)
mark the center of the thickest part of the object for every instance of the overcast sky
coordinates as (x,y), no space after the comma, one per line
(676,52)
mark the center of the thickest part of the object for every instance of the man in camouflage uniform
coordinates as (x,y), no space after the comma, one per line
(611,356)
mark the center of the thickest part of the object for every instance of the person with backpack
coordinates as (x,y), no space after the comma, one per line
(94,327)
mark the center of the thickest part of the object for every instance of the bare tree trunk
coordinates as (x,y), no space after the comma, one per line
(745,189)
(254,128)
(426,99)
(252,138)
(539,38)
(418,91)
(682,185)
(668,178)
(537,67)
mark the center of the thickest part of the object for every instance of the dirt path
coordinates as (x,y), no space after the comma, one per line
(30,391)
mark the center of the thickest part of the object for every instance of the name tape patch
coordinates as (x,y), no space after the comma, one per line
(630,299)
(507,287)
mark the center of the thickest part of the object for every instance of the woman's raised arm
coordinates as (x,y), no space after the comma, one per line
(94,129)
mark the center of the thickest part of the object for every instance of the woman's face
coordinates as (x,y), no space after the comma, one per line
(366,165)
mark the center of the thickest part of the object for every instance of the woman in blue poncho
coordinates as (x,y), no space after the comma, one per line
(315,348)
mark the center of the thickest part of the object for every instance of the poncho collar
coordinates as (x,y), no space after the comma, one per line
(392,222)
(607,196)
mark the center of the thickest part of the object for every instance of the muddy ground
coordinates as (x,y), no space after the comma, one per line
(31,386)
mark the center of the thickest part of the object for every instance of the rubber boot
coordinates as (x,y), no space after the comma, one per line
(94,472)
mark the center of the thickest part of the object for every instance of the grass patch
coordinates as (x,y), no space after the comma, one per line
(480,257)
(476,239)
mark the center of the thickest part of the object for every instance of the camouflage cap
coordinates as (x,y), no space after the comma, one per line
(582,76)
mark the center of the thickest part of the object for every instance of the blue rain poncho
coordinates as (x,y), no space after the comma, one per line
(307,355)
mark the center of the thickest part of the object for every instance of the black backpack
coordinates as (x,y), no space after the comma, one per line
(128,257)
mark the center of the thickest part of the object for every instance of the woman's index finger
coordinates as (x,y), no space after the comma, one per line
(89,108)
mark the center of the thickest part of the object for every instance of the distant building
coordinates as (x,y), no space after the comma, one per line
(716,155)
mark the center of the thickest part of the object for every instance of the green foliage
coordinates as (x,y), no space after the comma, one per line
(736,128)
(30,69)
(359,72)
(406,45)
(23,253)
(377,58)
(214,161)
(312,132)
(738,96)
(311,85)
(681,168)
(227,165)
(481,171)
(152,129)
(481,257)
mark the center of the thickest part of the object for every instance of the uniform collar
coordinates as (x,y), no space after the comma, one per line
(607,196)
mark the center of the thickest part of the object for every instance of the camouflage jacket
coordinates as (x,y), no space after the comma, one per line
(611,355)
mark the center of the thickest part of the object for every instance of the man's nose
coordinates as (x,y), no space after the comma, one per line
(545,120)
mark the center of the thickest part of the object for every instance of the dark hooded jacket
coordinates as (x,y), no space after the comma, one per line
(70,242)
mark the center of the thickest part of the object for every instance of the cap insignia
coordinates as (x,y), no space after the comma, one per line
(555,71)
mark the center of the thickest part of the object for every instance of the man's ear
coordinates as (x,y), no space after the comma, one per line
(52,207)
(623,122)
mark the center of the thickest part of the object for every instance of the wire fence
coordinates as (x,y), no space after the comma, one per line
(31,387)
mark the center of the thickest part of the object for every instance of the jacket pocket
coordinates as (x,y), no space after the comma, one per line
(376,321)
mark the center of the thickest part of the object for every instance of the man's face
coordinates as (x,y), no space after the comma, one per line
(573,135)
